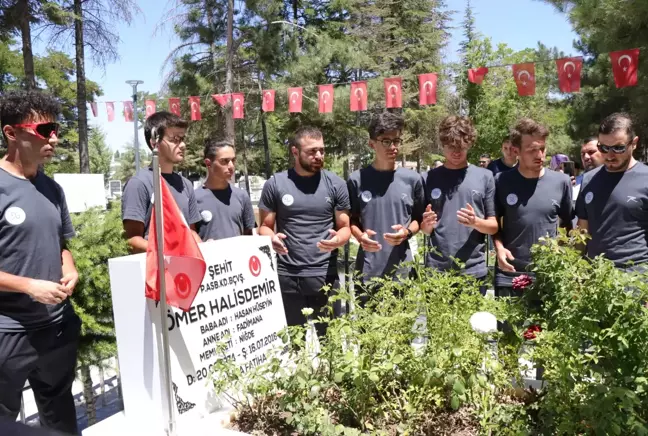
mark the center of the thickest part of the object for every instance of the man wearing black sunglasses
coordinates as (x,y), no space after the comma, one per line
(38,327)
(613,202)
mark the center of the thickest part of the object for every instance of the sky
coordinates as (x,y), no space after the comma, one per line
(146,43)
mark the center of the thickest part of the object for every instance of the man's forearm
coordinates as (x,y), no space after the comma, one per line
(344,234)
(497,241)
(266,231)
(12,283)
(357,232)
(414,227)
(486,226)
(137,244)
(68,262)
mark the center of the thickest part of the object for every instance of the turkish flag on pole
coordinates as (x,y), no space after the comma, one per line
(221,99)
(150,107)
(93,107)
(268,102)
(624,66)
(393,92)
(184,264)
(427,88)
(238,107)
(476,75)
(524,75)
(194,103)
(325,99)
(294,100)
(110,110)
(128,111)
(569,74)
(174,105)
(358,99)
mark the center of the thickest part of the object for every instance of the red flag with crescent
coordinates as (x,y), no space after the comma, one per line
(110,111)
(625,65)
(358,96)
(150,107)
(569,74)
(524,75)
(476,75)
(128,111)
(174,105)
(393,92)
(238,106)
(194,104)
(427,89)
(294,100)
(94,108)
(221,99)
(325,99)
(268,101)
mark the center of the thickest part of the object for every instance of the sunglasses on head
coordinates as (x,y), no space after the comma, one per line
(42,130)
(616,149)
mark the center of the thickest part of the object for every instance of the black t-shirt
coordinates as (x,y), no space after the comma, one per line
(498,166)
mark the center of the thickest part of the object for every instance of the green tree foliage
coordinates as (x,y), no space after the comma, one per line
(126,162)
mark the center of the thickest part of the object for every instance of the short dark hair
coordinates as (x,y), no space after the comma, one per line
(485,156)
(506,138)
(527,126)
(16,107)
(590,139)
(455,129)
(305,132)
(212,146)
(618,121)
(160,121)
(385,122)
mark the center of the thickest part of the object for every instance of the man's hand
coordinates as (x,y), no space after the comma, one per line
(368,244)
(395,239)
(429,222)
(503,256)
(466,216)
(329,245)
(69,282)
(47,292)
(278,245)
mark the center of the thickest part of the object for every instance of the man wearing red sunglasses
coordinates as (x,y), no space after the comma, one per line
(38,327)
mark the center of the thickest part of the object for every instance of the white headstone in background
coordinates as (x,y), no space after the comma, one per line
(83,191)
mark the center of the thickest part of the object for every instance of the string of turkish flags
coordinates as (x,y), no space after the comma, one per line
(624,68)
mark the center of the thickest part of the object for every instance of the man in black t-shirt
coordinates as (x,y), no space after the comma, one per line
(39,330)
(508,160)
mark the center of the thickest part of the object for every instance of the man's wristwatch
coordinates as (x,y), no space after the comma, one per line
(409,234)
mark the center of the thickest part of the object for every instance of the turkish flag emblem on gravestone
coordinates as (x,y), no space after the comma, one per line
(358,97)
(325,99)
(255,266)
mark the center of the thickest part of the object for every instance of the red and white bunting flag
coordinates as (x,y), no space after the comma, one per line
(325,99)
(174,106)
(358,97)
(110,111)
(476,75)
(294,100)
(569,74)
(393,92)
(268,102)
(194,104)
(221,99)
(524,75)
(128,111)
(427,89)
(625,65)
(94,109)
(150,107)
(238,106)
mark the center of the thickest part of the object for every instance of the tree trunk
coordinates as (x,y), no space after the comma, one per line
(229,72)
(28,55)
(88,394)
(84,157)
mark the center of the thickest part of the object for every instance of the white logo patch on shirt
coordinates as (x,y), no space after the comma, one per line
(436,193)
(366,196)
(589,197)
(633,199)
(15,216)
(404,196)
(555,203)
(511,199)
(328,200)
(287,200)
(206,215)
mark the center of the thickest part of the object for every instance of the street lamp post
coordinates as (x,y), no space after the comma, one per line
(134,84)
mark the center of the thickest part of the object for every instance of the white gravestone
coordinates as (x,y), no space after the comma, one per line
(239,303)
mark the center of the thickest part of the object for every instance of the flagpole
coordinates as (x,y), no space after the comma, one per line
(165,361)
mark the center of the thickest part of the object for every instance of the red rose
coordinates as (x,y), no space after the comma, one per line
(531,332)
(522,282)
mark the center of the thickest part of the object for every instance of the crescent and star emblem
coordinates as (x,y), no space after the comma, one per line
(268,95)
(194,106)
(237,101)
(149,108)
(428,86)
(395,87)
(522,73)
(359,93)
(325,94)
(294,100)
(569,74)
(629,61)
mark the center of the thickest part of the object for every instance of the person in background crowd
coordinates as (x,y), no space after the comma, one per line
(39,330)
(460,204)
(306,204)
(613,198)
(591,158)
(226,210)
(556,162)
(531,202)
(508,160)
(167,132)
(484,160)
(386,204)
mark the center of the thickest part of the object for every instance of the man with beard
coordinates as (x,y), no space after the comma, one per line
(508,160)
(303,205)
(531,202)
(386,204)
(165,131)
(612,203)
(460,209)
(226,210)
